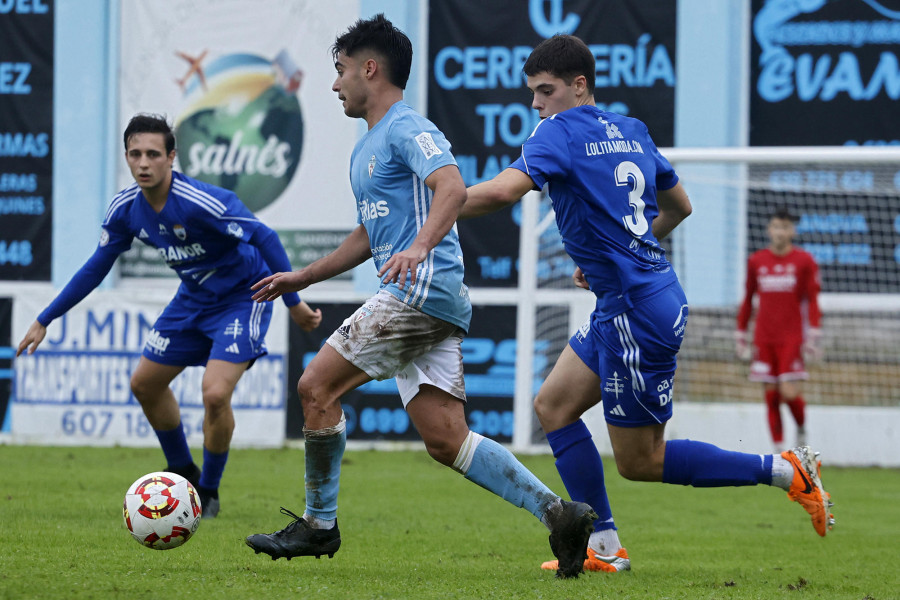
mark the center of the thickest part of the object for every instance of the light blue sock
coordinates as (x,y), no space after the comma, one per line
(494,468)
(324,451)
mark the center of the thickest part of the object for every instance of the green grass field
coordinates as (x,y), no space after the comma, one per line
(414,529)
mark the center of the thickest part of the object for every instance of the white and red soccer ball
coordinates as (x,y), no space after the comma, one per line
(162,510)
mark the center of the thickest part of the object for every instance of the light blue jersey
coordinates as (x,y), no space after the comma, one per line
(603,171)
(388,169)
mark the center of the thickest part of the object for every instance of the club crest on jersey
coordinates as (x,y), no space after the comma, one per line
(235,230)
(179,232)
(371,165)
(427,145)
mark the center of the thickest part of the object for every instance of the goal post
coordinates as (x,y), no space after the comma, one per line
(847,200)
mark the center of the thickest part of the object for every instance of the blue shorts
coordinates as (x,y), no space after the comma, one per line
(188,337)
(634,355)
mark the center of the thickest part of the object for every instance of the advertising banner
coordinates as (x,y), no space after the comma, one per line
(247,86)
(374,411)
(26,140)
(478,98)
(76,388)
(850,222)
(825,73)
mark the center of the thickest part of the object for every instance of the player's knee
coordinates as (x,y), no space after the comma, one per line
(313,395)
(142,389)
(442,451)
(216,398)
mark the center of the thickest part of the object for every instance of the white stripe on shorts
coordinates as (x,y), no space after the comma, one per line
(631,354)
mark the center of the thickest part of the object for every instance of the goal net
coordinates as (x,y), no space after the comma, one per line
(847,201)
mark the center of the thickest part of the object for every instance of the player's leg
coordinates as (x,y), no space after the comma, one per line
(219,381)
(773,414)
(433,391)
(647,355)
(791,374)
(150,385)
(570,389)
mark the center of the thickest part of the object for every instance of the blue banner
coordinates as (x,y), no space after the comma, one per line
(26,132)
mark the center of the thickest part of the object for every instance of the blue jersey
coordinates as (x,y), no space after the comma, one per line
(603,171)
(204,233)
(388,169)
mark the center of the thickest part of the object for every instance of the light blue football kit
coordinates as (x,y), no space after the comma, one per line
(388,169)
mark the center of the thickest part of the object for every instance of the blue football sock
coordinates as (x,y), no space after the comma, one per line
(213,467)
(493,467)
(581,470)
(175,447)
(324,450)
(703,465)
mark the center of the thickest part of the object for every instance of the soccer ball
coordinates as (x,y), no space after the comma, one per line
(162,510)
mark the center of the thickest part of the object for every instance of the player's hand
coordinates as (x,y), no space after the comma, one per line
(305,317)
(579,280)
(33,338)
(276,285)
(401,265)
(812,347)
(741,345)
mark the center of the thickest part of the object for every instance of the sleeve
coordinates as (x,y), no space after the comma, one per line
(811,289)
(85,280)
(545,154)
(746,309)
(420,145)
(665,174)
(266,241)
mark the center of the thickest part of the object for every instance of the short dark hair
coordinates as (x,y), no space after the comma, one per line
(563,56)
(150,123)
(380,36)
(783,213)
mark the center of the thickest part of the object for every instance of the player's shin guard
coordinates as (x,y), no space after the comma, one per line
(493,467)
(324,451)
(581,470)
(699,464)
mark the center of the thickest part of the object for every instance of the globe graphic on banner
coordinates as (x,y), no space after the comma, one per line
(242,128)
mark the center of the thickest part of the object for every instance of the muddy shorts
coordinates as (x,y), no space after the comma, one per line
(387,338)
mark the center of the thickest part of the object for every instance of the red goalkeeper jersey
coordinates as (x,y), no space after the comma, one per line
(786,285)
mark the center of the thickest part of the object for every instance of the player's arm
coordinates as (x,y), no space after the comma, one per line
(353,251)
(741,340)
(449,196)
(85,280)
(269,245)
(674,207)
(505,189)
(812,345)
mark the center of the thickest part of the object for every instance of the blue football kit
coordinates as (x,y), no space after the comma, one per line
(216,246)
(388,169)
(602,171)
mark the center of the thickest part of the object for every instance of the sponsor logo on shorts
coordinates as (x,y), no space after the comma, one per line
(681,322)
(157,343)
(582,332)
(344,331)
(233,349)
(614,385)
(618,411)
(234,328)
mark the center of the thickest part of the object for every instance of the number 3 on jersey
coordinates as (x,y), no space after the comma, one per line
(628,173)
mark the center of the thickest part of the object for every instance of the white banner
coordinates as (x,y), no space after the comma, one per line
(248,86)
(76,388)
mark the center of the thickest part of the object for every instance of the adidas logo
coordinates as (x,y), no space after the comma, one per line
(233,349)
(618,411)
(143,234)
